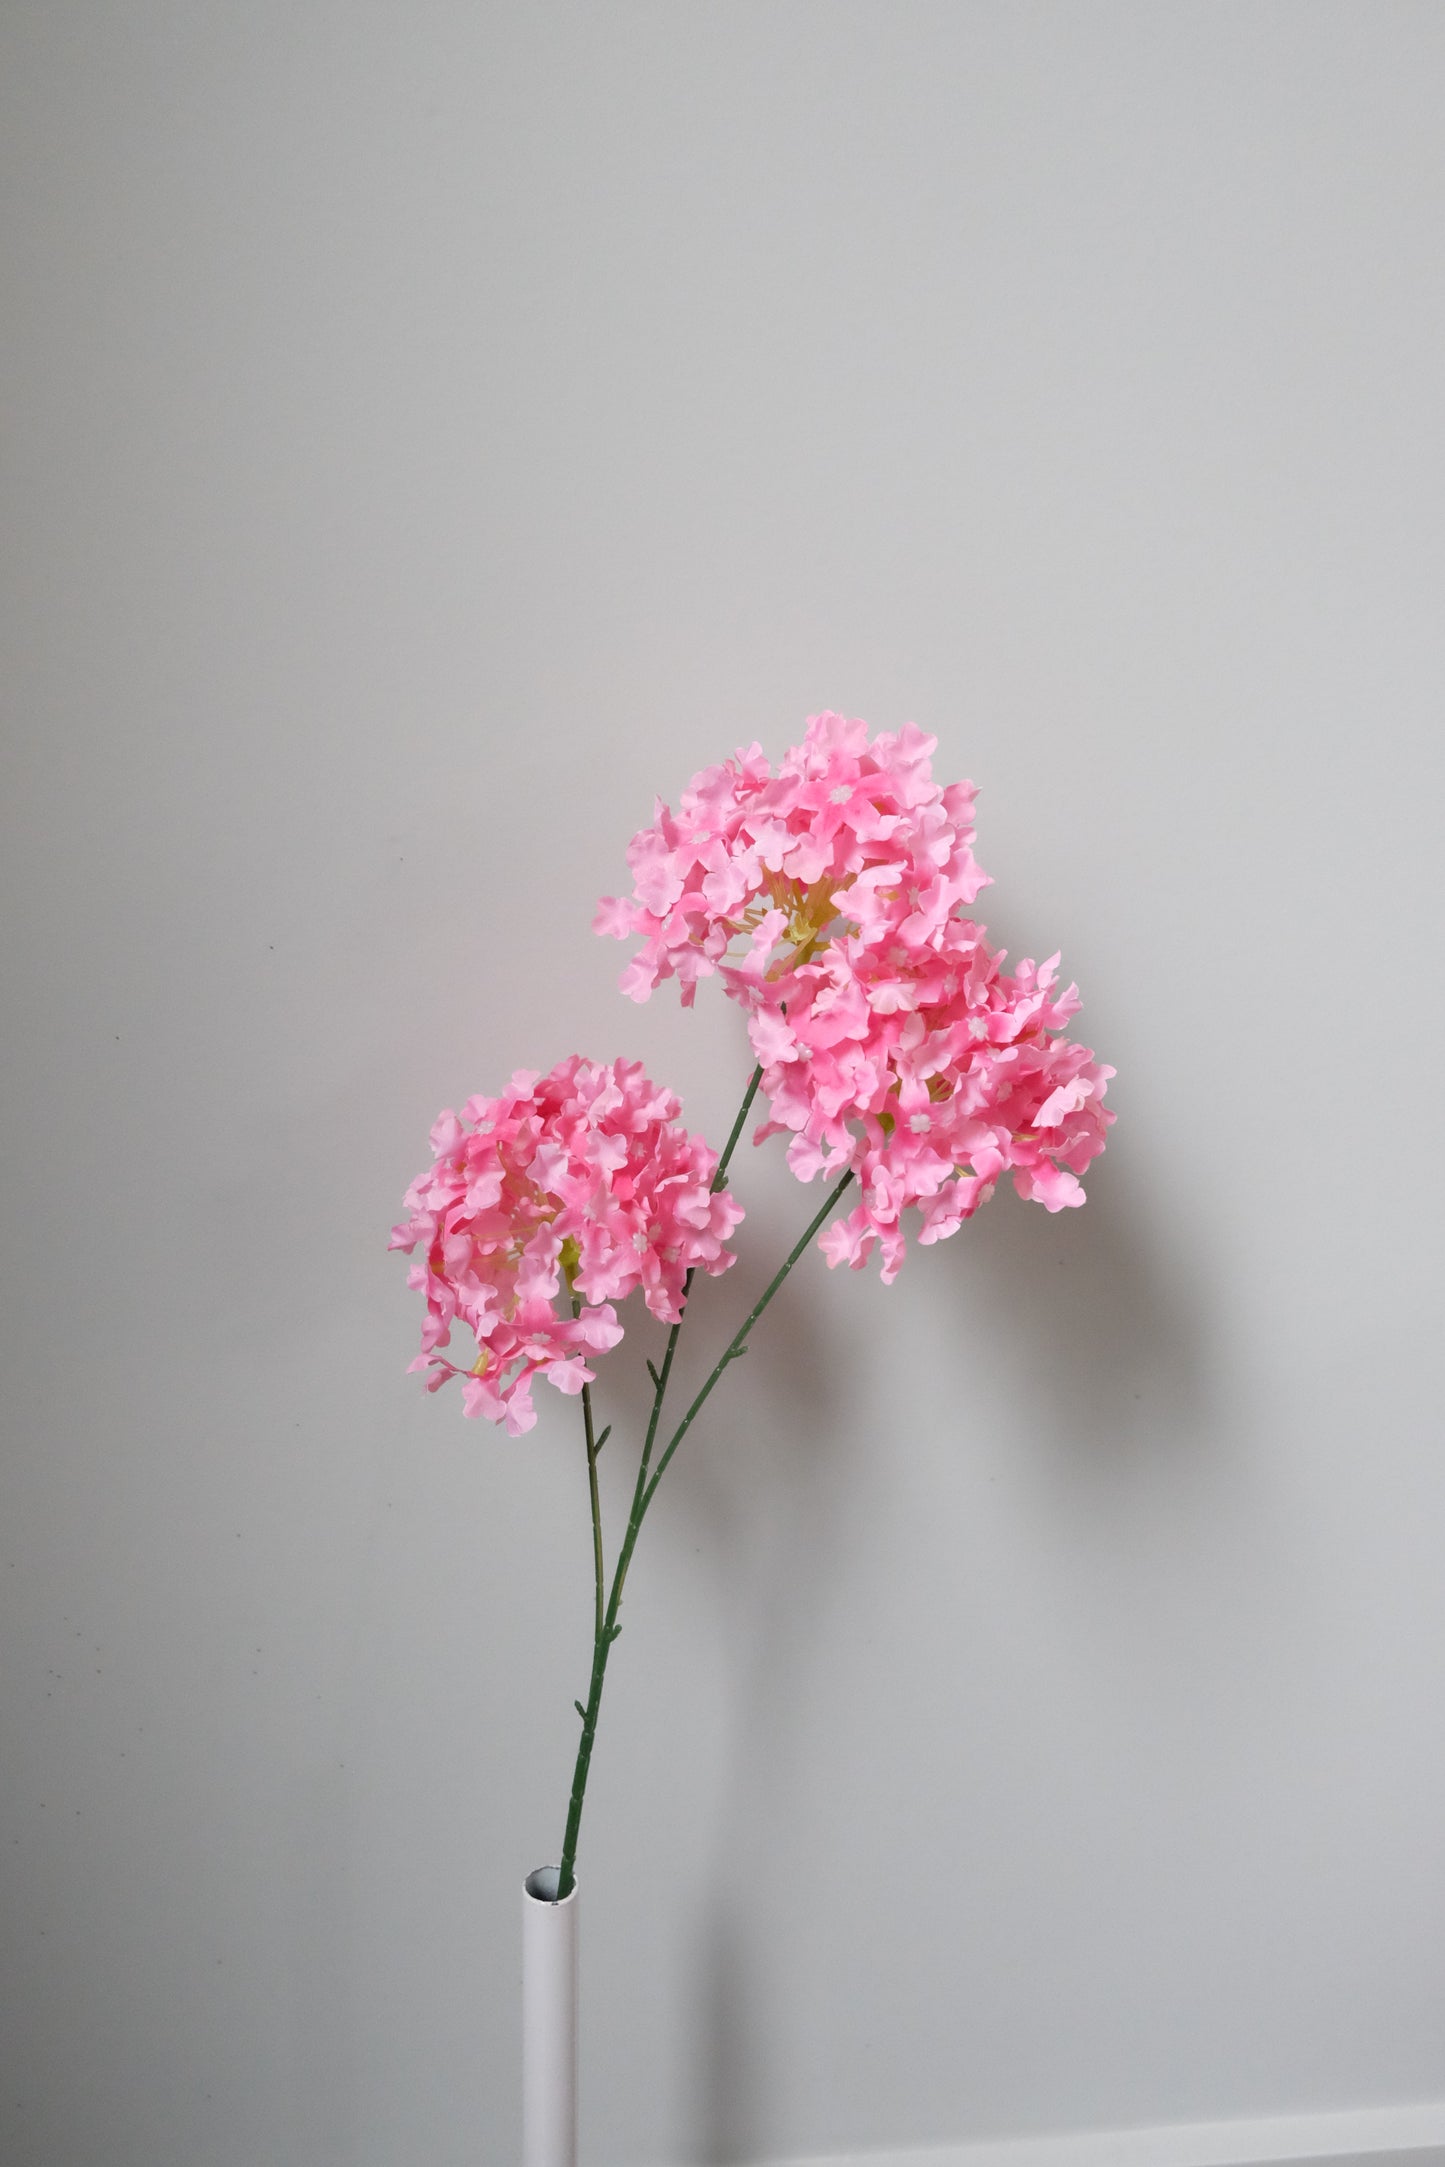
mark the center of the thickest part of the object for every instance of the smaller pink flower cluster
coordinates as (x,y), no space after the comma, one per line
(830,898)
(582,1179)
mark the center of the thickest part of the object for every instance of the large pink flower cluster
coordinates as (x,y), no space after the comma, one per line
(754,871)
(831,899)
(582,1181)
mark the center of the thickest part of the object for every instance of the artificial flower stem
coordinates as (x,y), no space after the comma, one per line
(641,1500)
(738,1341)
(600,1570)
(604,1636)
(737,1128)
(660,1377)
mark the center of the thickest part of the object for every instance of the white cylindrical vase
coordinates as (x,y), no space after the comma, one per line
(549,2022)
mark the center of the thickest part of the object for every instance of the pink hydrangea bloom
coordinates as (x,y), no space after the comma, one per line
(580,1181)
(830,898)
(750,874)
(933,1102)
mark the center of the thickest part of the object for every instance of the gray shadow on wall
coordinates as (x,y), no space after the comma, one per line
(1107,1341)
(755,1506)
(1105,1328)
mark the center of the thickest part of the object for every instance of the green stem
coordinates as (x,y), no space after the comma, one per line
(737,1128)
(661,1376)
(606,1628)
(738,1343)
(609,1628)
(599,1567)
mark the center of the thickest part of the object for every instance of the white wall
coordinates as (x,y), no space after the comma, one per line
(432,429)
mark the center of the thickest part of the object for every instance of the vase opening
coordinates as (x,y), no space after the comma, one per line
(541,1886)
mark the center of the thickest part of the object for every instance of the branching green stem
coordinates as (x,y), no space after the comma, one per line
(648,1477)
(738,1343)
(660,1377)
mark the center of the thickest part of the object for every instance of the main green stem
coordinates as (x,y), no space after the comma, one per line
(648,1478)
